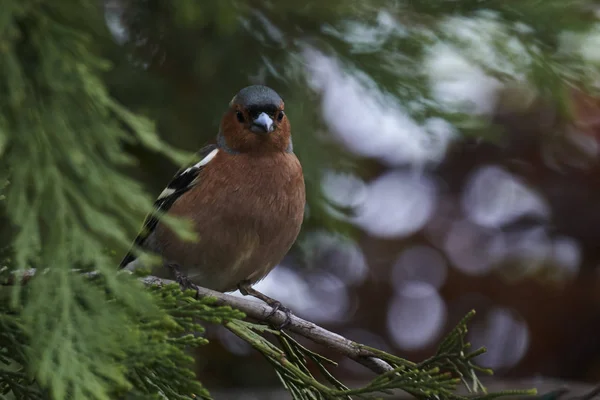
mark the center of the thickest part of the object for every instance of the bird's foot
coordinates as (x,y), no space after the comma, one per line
(247,290)
(184,282)
(277,306)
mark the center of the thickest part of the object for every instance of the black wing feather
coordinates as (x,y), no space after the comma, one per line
(181,183)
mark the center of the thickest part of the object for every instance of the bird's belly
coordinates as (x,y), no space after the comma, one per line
(246,215)
(233,248)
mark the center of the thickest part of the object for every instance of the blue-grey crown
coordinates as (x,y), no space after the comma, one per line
(257,96)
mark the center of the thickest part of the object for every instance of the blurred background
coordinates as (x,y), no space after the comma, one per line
(450,150)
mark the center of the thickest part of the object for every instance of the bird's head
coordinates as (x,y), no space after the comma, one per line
(256,122)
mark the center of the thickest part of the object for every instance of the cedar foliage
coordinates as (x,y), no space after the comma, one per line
(77,114)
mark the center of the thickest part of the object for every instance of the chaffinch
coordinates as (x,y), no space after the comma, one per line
(245,197)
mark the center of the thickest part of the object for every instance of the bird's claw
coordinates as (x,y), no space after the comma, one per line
(276,306)
(184,282)
(246,289)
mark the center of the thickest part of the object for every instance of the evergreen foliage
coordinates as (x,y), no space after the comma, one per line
(436,377)
(75,110)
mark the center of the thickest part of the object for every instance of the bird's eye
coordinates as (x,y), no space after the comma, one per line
(240,116)
(280,116)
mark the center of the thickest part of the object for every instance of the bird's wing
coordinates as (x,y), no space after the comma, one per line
(183,181)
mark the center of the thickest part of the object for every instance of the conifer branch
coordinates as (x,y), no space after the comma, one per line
(436,377)
(260,311)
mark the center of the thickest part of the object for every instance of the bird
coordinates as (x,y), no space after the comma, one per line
(245,198)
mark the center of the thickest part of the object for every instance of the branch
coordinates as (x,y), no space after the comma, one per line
(261,311)
(438,376)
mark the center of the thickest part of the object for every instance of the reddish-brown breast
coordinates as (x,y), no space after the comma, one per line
(247,210)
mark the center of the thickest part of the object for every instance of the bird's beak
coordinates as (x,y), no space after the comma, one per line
(262,124)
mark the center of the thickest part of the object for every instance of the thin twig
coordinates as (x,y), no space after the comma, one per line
(261,311)
(315,333)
